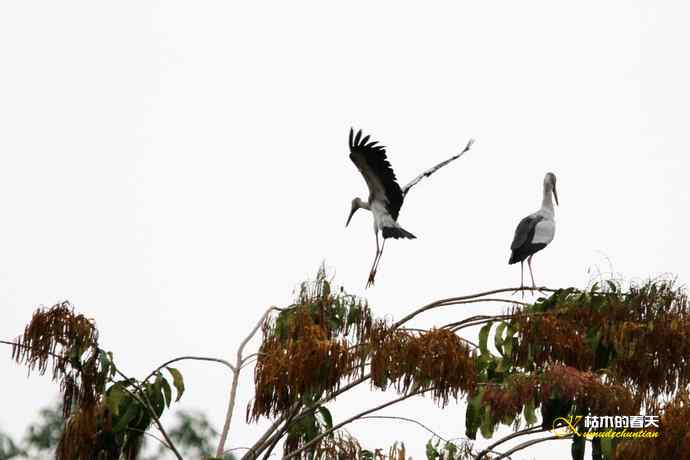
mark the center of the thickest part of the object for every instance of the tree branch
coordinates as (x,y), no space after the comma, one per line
(457,300)
(189,358)
(147,403)
(352,419)
(405,419)
(527,444)
(235,380)
(533,430)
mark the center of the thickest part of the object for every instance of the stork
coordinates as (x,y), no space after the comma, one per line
(385,195)
(535,231)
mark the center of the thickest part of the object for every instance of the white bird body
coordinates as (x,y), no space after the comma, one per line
(382,219)
(537,230)
(545,229)
(385,195)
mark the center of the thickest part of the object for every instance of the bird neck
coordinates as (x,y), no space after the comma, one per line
(547,199)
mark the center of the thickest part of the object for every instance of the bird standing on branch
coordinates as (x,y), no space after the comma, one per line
(385,195)
(535,231)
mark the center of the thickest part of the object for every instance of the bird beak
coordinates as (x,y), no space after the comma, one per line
(352,212)
(555,194)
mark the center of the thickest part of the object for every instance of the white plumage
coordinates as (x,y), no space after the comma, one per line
(535,231)
(385,195)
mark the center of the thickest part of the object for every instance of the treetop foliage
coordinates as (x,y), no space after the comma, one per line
(604,350)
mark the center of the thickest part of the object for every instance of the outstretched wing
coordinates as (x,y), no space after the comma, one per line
(430,171)
(372,162)
(525,231)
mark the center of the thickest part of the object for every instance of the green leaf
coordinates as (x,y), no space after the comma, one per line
(473,415)
(167,392)
(487,426)
(483,336)
(326,415)
(508,347)
(498,336)
(508,419)
(607,448)
(501,365)
(309,428)
(178,381)
(104,362)
(114,397)
(577,448)
(530,415)
(130,413)
(112,361)
(155,395)
(431,451)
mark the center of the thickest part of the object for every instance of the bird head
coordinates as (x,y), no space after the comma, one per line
(550,183)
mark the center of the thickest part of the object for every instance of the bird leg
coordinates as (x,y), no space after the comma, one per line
(376,266)
(372,272)
(522,282)
(529,263)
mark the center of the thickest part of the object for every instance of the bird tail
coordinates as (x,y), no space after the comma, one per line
(396,232)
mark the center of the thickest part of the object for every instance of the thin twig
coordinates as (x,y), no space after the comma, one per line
(163,443)
(488,449)
(405,419)
(455,300)
(352,419)
(235,381)
(147,403)
(270,437)
(190,358)
(527,444)
(257,448)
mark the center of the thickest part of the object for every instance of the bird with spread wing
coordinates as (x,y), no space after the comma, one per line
(385,195)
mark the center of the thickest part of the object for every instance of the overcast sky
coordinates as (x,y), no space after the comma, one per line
(173,168)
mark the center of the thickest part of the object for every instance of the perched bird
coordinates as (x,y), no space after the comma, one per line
(385,195)
(535,231)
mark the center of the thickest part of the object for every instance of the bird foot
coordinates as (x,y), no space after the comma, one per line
(370,282)
(521,290)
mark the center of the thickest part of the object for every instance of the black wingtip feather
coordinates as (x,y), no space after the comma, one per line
(396,232)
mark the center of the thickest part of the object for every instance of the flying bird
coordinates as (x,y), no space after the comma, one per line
(535,231)
(385,195)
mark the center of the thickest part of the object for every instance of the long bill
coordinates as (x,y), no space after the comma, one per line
(555,194)
(352,212)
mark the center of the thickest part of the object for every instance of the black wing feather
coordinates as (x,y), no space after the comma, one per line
(525,231)
(376,160)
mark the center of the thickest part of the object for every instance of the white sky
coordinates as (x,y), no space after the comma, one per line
(173,168)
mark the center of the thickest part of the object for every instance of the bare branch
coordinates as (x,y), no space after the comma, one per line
(151,435)
(526,431)
(190,358)
(527,444)
(352,419)
(235,381)
(405,419)
(458,300)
